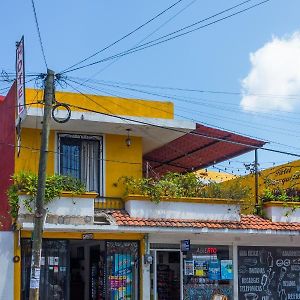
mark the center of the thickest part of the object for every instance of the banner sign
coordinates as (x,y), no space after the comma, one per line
(20,81)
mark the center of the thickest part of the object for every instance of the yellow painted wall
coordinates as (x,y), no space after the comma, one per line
(285,175)
(28,159)
(111,105)
(121,161)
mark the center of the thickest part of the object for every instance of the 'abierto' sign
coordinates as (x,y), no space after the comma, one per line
(20,81)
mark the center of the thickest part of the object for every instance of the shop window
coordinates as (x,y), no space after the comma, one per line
(207,273)
(55,269)
(81,157)
(81,270)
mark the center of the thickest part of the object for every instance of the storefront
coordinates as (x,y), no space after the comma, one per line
(84,269)
(200,272)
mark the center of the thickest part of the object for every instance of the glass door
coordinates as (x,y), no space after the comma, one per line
(166,274)
(122,270)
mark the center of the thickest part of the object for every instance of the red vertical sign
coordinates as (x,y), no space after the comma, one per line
(20,80)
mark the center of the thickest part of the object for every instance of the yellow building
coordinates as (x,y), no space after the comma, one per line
(102,245)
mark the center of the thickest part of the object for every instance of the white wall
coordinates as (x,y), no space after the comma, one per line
(66,206)
(182,210)
(6,265)
(282,214)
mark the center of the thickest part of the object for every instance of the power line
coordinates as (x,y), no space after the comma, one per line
(189,89)
(56,152)
(159,41)
(105,91)
(182,99)
(123,37)
(39,33)
(154,137)
(145,38)
(178,130)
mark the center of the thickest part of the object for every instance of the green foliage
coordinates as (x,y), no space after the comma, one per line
(274,191)
(26,183)
(175,185)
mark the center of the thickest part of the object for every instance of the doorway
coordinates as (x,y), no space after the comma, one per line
(84,269)
(166,274)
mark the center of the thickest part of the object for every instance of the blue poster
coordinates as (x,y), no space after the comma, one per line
(226,269)
(214,271)
(121,281)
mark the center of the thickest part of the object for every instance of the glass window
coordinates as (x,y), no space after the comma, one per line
(207,273)
(80,156)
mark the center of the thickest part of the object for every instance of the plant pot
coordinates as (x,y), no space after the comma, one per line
(278,211)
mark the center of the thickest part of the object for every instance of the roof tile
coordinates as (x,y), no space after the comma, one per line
(254,222)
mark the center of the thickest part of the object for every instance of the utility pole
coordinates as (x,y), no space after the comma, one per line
(39,213)
(257,204)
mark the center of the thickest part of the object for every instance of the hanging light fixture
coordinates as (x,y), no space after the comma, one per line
(128,139)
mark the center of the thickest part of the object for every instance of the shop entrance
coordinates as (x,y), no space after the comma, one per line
(166,275)
(84,269)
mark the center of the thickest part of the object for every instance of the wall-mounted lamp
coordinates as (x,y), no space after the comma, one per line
(128,139)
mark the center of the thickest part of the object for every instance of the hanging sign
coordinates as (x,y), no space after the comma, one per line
(185,245)
(20,81)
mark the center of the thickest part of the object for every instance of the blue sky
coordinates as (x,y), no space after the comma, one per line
(215,58)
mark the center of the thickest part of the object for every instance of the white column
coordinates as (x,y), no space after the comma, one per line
(146,280)
(235,271)
(7,265)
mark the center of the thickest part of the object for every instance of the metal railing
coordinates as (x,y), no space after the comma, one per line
(109,203)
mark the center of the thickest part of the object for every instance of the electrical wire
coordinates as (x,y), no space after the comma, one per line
(56,152)
(123,37)
(213,116)
(159,41)
(235,93)
(178,130)
(144,39)
(39,33)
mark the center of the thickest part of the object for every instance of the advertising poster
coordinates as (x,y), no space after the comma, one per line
(214,271)
(121,282)
(189,267)
(226,269)
(201,268)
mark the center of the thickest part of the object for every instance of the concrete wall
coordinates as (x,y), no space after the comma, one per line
(6,265)
(182,210)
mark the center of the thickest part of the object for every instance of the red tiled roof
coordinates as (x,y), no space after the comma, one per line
(247,222)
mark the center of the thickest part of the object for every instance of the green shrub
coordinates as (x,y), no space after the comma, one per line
(175,185)
(26,183)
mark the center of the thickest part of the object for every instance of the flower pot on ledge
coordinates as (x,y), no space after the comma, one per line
(279,211)
(183,208)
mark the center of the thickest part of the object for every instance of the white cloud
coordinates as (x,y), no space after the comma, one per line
(275,71)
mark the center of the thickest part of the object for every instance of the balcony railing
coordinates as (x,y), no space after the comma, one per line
(109,203)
